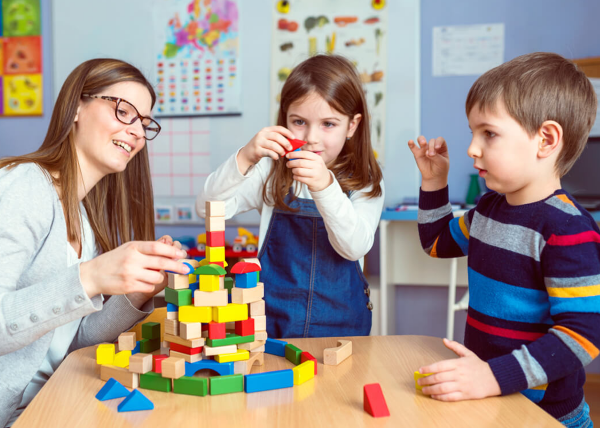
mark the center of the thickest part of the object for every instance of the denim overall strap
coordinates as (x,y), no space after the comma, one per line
(310,290)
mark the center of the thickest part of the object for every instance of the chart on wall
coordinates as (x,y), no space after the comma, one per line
(197,57)
(20,58)
(355,29)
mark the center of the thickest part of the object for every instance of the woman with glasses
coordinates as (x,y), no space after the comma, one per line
(76,228)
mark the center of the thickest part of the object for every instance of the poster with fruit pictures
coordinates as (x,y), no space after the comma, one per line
(355,29)
(20,58)
(197,57)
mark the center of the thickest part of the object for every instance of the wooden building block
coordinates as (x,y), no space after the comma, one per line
(215,254)
(306,356)
(179,297)
(193,343)
(249,295)
(251,260)
(215,224)
(173,315)
(223,369)
(226,384)
(210,351)
(260,335)
(246,280)
(190,330)
(260,322)
(186,357)
(122,359)
(251,346)
(135,401)
(418,376)
(292,353)
(105,353)
(256,358)
(151,330)
(177,281)
(184,349)
(157,362)
(239,355)
(195,314)
(172,327)
(257,307)
(215,239)
(231,312)
(334,356)
(303,372)
(268,381)
(155,382)
(127,341)
(228,283)
(215,209)
(211,298)
(216,330)
(209,283)
(245,327)
(121,375)
(173,368)
(140,363)
(148,346)
(374,401)
(191,386)
(275,347)
(230,339)
(112,389)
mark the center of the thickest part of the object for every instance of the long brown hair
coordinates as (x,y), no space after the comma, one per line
(336,80)
(120,207)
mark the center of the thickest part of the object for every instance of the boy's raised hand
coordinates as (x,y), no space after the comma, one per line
(433,162)
(271,141)
(464,378)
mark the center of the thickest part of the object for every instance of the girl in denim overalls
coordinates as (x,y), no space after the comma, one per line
(319,206)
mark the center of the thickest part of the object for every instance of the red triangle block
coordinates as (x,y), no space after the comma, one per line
(296,144)
(374,401)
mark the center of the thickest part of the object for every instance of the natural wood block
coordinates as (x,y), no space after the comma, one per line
(195,263)
(260,323)
(256,358)
(178,281)
(193,343)
(121,375)
(248,295)
(127,341)
(260,335)
(334,356)
(190,330)
(140,363)
(215,209)
(210,298)
(256,308)
(187,357)
(215,224)
(173,367)
(173,315)
(209,351)
(172,327)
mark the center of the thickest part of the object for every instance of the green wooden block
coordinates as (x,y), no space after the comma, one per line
(228,284)
(155,382)
(191,386)
(178,297)
(149,345)
(151,330)
(230,339)
(257,276)
(293,354)
(226,384)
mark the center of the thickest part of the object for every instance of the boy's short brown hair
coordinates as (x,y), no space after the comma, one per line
(537,87)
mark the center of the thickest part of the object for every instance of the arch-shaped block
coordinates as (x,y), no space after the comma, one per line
(223,369)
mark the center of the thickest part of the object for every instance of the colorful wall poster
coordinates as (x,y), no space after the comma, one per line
(22,94)
(197,57)
(355,29)
(21,18)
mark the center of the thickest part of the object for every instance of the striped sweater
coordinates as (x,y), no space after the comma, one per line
(534,293)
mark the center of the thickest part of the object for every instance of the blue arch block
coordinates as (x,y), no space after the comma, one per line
(223,369)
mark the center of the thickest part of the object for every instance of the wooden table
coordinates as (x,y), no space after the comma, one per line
(333,398)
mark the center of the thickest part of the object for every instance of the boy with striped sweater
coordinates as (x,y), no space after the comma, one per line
(534,253)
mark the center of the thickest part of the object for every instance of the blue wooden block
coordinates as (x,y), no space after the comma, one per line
(112,389)
(275,347)
(269,380)
(135,401)
(136,350)
(172,308)
(194,286)
(245,280)
(224,369)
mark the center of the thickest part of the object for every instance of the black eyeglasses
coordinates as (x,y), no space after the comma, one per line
(126,113)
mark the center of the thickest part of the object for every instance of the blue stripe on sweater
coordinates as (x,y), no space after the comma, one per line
(458,236)
(560,305)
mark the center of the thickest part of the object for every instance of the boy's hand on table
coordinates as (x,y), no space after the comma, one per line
(464,378)
(433,162)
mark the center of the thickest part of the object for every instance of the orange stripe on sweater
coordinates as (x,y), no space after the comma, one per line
(589,347)
(565,199)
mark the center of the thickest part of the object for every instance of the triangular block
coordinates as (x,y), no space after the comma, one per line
(135,401)
(112,389)
(374,401)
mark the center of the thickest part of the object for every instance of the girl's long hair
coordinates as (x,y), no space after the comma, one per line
(336,80)
(120,207)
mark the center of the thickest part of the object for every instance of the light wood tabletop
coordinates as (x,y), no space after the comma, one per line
(333,398)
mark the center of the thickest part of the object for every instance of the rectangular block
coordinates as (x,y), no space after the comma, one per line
(151,330)
(303,372)
(210,351)
(140,363)
(209,283)
(215,254)
(105,353)
(215,224)
(306,356)
(260,322)
(239,355)
(251,346)
(268,381)
(191,386)
(230,339)
(173,367)
(248,295)
(178,297)
(292,353)
(258,307)
(122,359)
(173,315)
(177,281)
(245,327)
(194,343)
(186,357)
(121,375)
(190,330)
(275,347)
(155,382)
(210,298)
(226,384)
(216,330)
(215,239)
(127,341)
(172,327)
(261,335)
(215,209)
(231,312)
(184,349)
(195,314)
(157,362)
(148,346)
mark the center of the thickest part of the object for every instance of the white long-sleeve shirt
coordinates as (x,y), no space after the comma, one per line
(351,222)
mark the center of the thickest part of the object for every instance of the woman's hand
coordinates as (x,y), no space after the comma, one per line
(310,169)
(271,142)
(433,162)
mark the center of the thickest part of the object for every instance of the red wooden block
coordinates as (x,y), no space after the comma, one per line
(184,349)
(216,330)
(215,239)
(305,356)
(244,328)
(157,362)
(296,144)
(374,401)
(245,267)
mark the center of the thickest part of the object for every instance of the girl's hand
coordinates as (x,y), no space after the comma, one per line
(310,169)
(134,267)
(433,162)
(271,142)
(464,378)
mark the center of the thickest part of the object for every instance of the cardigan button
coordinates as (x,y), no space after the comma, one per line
(370,306)
(14,326)
(79,299)
(56,310)
(33,318)
(368,292)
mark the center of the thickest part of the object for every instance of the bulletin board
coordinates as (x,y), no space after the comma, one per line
(355,29)
(20,58)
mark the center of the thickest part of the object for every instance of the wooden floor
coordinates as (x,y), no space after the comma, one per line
(592,396)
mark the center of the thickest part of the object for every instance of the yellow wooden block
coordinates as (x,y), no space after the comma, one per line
(240,355)
(231,312)
(304,372)
(122,359)
(192,278)
(215,254)
(419,376)
(209,282)
(192,313)
(105,353)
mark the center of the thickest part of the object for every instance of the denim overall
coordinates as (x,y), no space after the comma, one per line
(310,290)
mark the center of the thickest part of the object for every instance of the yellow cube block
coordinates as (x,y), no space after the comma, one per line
(215,254)
(191,313)
(304,372)
(231,312)
(192,278)
(419,376)
(209,282)
(105,354)
(240,355)
(122,359)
